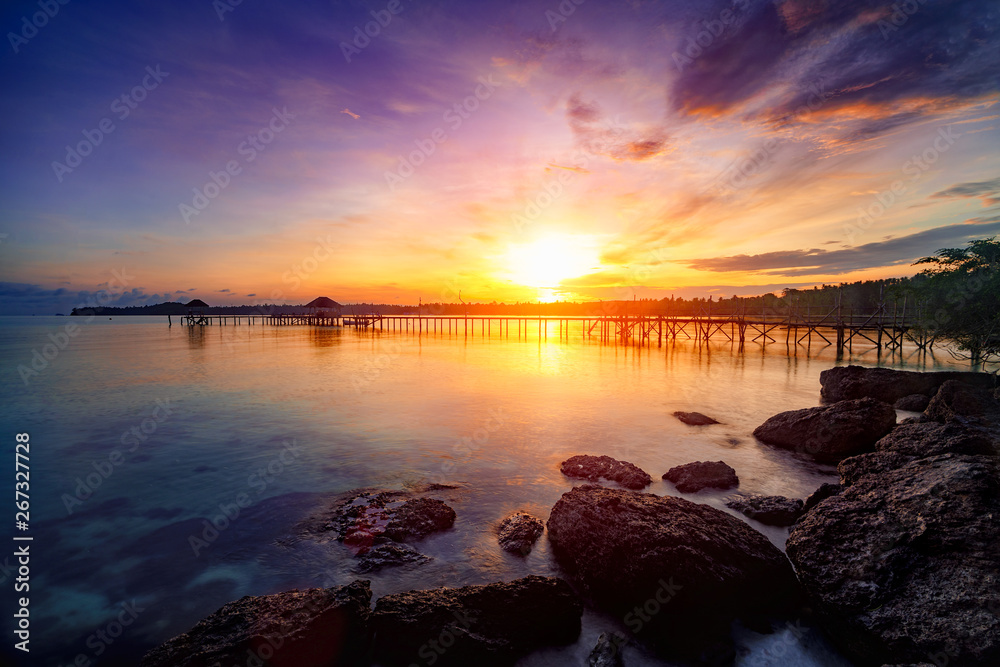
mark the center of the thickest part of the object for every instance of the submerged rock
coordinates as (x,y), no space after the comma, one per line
(608,651)
(772,510)
(913,403)
(699,475)
(898,564)
(387,555)
(518,532)
(493,624)
(887,385)
(595,468)
(677,572)
(367,519)
(694,418)
(318,627)
(830,433)
(418,518)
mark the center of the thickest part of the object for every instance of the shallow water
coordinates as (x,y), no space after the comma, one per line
(279,419)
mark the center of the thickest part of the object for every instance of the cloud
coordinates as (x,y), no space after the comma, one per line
(350,113)
(595,134)
(32,299)
(988,191)
(867,56)
(891,252)
(579,170)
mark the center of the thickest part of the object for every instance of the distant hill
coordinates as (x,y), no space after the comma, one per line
(860,296)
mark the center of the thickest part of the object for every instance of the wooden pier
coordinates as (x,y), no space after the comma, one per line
(882,328)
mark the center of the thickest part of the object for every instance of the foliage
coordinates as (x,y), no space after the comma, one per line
(960,293)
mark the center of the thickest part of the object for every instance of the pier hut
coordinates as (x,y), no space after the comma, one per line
(196,311)
(324,310)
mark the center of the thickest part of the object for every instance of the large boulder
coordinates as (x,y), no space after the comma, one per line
(475,625)
(956,400)
(902,566)
(318,627)
(675,571)
(843,383)
(596,468)
(824,491)
(829,433)
(699,475)
(913,403)
(518,532)
(771,510)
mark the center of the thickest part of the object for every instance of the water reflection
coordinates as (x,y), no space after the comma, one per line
(325,336)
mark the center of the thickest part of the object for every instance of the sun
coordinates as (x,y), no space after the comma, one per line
(548,261)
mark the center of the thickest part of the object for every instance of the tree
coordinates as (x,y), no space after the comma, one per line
(960,292)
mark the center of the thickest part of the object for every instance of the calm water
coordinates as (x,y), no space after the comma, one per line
(139,431)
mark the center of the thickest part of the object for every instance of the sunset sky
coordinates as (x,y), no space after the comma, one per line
(512,150)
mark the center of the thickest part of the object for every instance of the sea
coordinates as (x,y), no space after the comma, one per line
(171,467)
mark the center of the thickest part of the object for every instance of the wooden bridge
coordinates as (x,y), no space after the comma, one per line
(881,328)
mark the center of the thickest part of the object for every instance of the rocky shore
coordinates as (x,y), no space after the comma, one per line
(899,563)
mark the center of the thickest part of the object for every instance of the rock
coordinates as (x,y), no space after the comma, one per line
(518,532)
(772,510)
(887,385)
(696,476)
(824,491)
(475,625)
(386,555)
(913,403)
(903,564)
(855,467)
(373,523)
(367,518)
(594,468)
(830,433)
(958,399)
(418,518)
(908,442)
(919,419)
(317,627)
(608,651)
(688,568)
(695,418)
(931,438)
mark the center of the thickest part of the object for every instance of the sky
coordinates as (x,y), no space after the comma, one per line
(397,151)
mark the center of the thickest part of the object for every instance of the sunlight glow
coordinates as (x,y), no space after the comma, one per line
(547,261)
